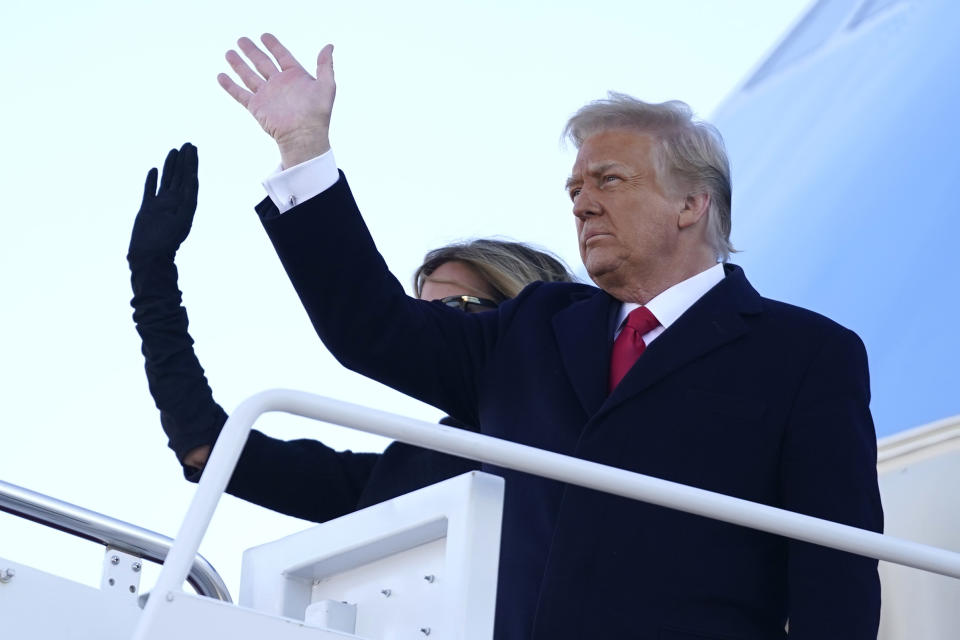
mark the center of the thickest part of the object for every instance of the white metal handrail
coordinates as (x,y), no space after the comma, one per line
(519,457)
(108,531)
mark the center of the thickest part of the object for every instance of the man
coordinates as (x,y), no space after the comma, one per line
(707,383)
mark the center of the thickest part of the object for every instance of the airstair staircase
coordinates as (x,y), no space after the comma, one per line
(425,564)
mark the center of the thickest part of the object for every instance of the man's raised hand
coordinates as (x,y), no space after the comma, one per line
(291,105)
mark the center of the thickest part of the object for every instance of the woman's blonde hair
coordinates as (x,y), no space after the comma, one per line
(506,266)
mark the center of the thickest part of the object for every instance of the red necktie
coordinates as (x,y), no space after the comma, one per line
(629,344)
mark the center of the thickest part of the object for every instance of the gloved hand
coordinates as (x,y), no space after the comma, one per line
(188,413)
(165,216)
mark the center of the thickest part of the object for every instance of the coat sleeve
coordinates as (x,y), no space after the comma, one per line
(829,471)
(363,316)
(300,478)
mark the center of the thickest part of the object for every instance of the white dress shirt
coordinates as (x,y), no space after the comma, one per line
(674,302)
(289,187)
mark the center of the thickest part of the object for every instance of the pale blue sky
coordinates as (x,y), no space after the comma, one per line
(447,121)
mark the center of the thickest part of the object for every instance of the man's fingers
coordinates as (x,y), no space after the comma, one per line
(239,93)
(260,60)
(168,166)
(150,186)
(284,58)
(325,63)
(247,75)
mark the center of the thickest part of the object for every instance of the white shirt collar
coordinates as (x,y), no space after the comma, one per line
(674,302)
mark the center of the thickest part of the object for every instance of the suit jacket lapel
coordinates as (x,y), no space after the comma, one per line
(713,321)
(585,336)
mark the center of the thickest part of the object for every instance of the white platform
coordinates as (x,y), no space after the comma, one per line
(424,564)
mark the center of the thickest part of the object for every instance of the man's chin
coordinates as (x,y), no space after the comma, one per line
(601,274)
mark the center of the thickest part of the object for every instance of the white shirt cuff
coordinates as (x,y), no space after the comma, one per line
(289,187)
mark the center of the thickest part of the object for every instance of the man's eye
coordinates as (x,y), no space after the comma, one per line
(574,193)
(610,178)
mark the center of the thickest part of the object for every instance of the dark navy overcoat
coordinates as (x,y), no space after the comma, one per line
(741,395)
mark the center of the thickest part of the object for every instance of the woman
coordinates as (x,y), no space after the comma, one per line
(473,276)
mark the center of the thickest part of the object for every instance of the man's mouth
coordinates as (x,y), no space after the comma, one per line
(593,235)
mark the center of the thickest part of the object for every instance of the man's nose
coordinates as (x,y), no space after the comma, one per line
(585,205)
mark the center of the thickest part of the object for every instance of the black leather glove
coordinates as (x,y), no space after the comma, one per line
(165,216)
(189,415)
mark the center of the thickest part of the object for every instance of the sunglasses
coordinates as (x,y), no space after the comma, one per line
(469,303)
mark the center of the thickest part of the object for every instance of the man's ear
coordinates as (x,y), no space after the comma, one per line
(694,210)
